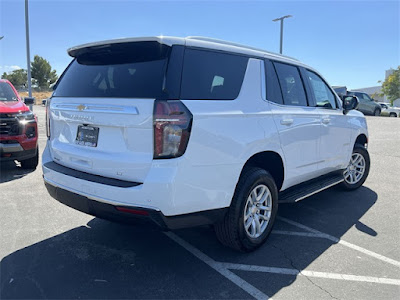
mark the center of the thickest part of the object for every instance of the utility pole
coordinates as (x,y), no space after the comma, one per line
(28,54)
(281,19)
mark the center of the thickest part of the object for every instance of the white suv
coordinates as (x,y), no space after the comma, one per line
(193,131)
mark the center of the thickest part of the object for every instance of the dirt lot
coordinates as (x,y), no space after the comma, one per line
(39,96)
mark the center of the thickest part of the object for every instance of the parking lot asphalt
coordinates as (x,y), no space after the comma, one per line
(335,244)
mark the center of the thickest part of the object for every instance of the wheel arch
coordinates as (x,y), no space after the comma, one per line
(361,139)
(270,161)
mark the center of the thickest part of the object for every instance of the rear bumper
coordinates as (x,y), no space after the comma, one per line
(130,214)
(173,187)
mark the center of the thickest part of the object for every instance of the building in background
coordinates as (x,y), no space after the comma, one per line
(388,72)
(373,92)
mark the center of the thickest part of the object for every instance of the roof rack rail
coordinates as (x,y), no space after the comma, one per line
(218,41)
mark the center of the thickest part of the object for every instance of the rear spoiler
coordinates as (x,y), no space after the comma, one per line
(169,41)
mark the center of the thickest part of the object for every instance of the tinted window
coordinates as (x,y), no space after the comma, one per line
(291,85)
(273,89)
(366,97)
(6,92)
(133,70)
(354,94)
(323,95)
(212,75)
(360,96)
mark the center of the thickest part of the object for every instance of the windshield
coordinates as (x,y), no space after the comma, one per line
(134,70)
(7,93)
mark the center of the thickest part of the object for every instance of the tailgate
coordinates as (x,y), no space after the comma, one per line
(124,147)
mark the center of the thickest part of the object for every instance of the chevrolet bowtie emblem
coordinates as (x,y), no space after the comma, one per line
(81,107)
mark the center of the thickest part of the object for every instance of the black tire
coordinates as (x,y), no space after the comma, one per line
(377,112)
(231,231)
(392,115)
(360,149)
(31,163)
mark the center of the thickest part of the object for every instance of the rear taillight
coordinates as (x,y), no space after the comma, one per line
(172,123)
(48,117)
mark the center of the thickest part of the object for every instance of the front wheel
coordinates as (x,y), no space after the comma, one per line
(377,112)
(252,213)
(357,171)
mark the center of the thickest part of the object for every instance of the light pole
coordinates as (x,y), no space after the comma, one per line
(28,54)
(281,19)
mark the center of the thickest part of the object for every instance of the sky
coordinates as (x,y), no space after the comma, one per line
(350,43)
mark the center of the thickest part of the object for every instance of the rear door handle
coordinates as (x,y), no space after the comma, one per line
(326,120)
(287,121)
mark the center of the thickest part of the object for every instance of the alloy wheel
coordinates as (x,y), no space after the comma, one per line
(257,211)
(355,170)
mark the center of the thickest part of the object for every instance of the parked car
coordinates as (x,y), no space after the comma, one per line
(44,102)
(18,128)
(193,131)
(367,105)
(387,110)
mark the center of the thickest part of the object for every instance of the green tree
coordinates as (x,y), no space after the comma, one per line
(17,77)
(391,86)
(42,73)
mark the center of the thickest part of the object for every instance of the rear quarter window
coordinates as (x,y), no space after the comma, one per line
(209,75)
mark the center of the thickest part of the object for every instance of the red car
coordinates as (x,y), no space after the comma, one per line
(18,128)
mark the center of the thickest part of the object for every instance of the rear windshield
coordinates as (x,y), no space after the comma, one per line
(7,93)
(134,70)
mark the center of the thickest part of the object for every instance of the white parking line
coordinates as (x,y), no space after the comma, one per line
(339,241)
(297,233)
(219,267)
(295,272)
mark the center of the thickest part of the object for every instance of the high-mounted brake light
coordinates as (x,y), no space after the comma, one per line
(172,123)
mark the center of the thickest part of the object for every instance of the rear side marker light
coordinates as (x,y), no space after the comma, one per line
(172,122)
(133,211)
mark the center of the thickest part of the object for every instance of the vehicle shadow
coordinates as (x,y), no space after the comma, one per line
(114,261)
(10,171)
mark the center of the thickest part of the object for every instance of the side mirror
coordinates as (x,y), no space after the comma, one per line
(349,103)
(29,100)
